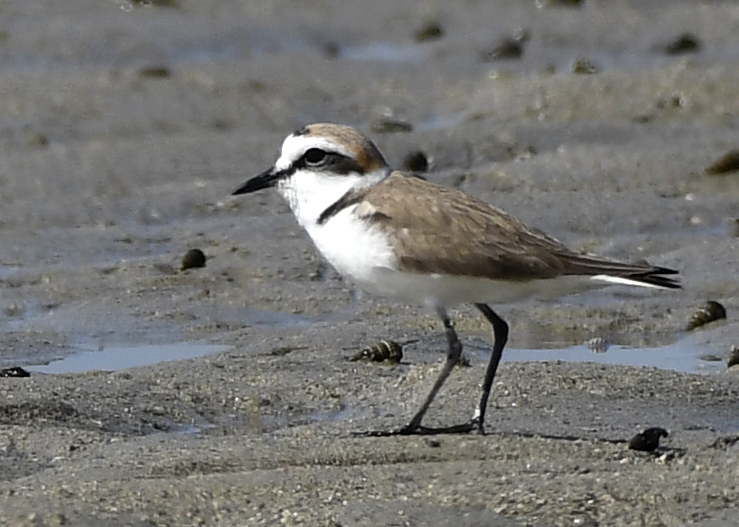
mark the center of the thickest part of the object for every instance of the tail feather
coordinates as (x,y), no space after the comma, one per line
(639,273)
(651,278)
(655,278)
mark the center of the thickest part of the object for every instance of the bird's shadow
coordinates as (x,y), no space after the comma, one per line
(660,450)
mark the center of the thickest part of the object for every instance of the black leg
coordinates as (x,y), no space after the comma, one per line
(454,351)
(500,336)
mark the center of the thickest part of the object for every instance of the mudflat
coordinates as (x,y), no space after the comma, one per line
(127,124)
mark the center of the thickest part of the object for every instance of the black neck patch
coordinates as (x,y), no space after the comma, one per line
(347,200)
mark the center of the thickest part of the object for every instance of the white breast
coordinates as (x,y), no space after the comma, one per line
(354,247)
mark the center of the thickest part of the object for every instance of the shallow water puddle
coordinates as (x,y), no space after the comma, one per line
(385,51)
(7,271)
(683,356)
(115,358)
(85,356)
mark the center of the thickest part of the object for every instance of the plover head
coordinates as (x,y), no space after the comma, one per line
(319,164)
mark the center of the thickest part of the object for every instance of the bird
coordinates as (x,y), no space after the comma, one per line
(406,238)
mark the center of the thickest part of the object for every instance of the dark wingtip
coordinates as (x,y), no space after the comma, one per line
(664,270)
(654,277)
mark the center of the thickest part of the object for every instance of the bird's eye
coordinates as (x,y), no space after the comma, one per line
(315,156)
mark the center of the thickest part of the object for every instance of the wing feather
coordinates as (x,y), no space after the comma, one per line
(427,222)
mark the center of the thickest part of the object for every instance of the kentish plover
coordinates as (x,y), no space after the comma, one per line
(406,238)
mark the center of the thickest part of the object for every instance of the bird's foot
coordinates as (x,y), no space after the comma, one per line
(416,429)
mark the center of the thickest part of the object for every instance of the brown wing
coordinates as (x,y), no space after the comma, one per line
(427,222)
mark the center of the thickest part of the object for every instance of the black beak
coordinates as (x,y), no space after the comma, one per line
(266,179)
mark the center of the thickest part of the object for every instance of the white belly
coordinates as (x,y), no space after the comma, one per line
(444,290)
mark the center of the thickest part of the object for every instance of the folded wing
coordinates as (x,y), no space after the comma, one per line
(442,230)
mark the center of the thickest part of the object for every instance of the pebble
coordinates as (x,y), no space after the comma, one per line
(193,258)
(431,30)
(685,43)
(648,440)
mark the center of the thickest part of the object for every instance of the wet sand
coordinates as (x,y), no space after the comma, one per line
(125,129)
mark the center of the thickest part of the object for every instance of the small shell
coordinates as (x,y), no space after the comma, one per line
(385,350)
(685,43)
(729,162)
(648,440)
(711,311)
(734,227)
(416,161)
(463,361)
(597,345)
(155,72)
(583,66)
(193,258)
(37,140)
(388,125)
(15,371)
(507,49)
(733,358)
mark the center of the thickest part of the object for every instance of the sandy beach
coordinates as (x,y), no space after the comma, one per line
(125,127)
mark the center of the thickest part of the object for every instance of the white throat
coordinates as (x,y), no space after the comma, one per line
(309,193)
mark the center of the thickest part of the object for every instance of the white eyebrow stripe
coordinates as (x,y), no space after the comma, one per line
(295,146)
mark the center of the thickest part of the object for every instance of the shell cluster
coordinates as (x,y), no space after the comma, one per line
(709,312)
(385,350)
